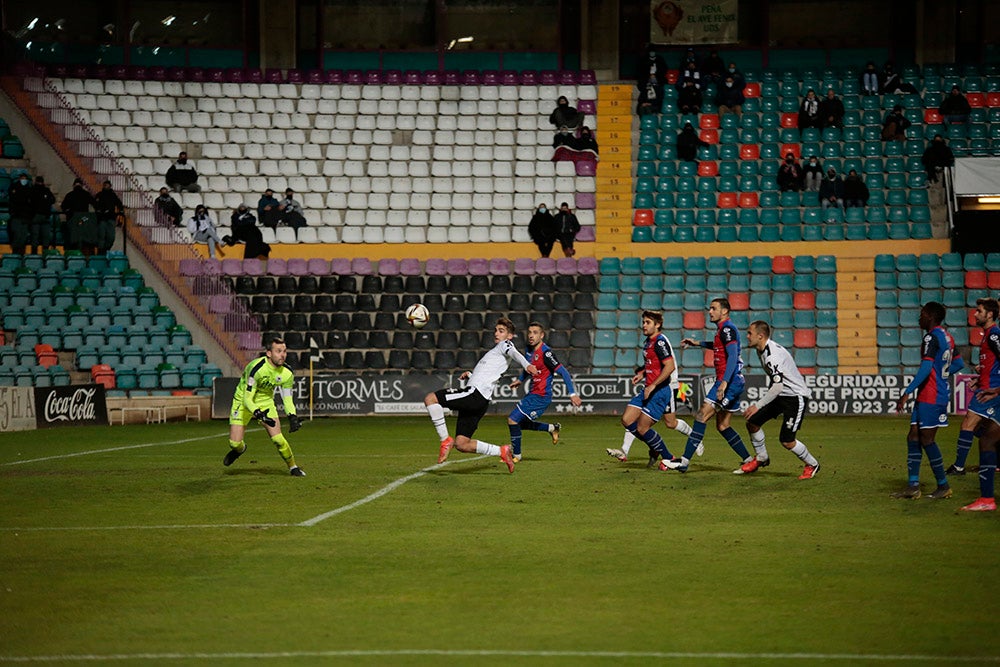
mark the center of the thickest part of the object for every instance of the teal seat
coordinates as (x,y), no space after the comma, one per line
(747,234)
(666,168)
(828,233)
(642,234)
(770,234)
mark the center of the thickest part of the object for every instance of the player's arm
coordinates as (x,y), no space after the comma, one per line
(512,353)
(564,374)
(732,361)
(923,373)
(957,364)
(777,386)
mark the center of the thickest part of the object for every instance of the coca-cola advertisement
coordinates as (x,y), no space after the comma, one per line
(76,405)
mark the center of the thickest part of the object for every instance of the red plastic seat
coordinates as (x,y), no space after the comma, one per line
(643,218)
(976,280)
(794,149)
(749,152)
(993,99)
(976,100)
(749,200)
(932,117)
(727,200)
(789,120)
(807,370)
(694,320)
(782,264)
(709,136)
(970,318)
(103,374)
(708,168)
(672,76)
(993,280)
(46,355)
(751,90)
(804,301)
(709,121)
(804,338)
(708,359)
(739,301)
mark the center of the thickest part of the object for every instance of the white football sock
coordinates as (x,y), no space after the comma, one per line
(683,427)
(800,451)
(437,418)
(627,442)
(487,448)
(757,440)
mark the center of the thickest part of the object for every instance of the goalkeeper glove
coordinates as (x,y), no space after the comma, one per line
(294,423)
(261,416)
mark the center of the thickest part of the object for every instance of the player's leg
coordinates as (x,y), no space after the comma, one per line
(522,418)
(706,412)
(914,454)
(755,426)
(514,420)
(629,418)
(660,403)
(934,458)
(965,437)
(281,443)
(729,403)
(987,468)
(239,417)
(795,411)
(435,403)
(468,422)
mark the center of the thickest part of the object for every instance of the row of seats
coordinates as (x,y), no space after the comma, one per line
(825,231)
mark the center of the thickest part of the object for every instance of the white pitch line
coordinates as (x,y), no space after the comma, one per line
(381,492)
(665,655)
(112,449)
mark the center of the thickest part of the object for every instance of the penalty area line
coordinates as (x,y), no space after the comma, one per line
(389,488)
(663,655)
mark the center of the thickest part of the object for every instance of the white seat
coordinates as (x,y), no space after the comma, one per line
(285,235)
(268,234)
(499,234)
(461,201)
(261,120)
(93,86)
(213,200)
(341,137)
(269,90)
(333,168)
(503,201)
(306,106)
(524,201)
(327,234)
(528,108)
(361,137)
(114,87)
(462,176)
(528,93)
(361,184)
(336,200)
(442,184)
(479,235)
(327,107)
(329,216)
(234,199)
(458,235)
(317,184)
(420,201)
(525,153)
(242,120)
(423,138)
(443,154)
(382,137)
(393,235)
(253,151)
(378,201)
(352,235)
(441,201)
(340,184)
(519,234)
(308,234)
(418,169)
(212,151)
(546,168)
(312,201)
(256,184)
(238,135)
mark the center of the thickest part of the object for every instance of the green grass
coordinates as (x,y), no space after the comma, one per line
(574,552)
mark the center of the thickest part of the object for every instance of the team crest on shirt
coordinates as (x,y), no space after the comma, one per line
(942,418)
(990,411)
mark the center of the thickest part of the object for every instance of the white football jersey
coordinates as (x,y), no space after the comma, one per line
(780,367)
(494,363)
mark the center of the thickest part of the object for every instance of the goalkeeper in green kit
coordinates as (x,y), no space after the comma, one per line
(254,399)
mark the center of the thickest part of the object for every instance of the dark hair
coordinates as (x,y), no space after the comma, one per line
(274,341)
(654,315)
(935,311)
(760,326)
(536,324)
(722,301)
(990,306)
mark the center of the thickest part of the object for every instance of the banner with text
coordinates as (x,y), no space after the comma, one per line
(693,21)
(17,409)
(75,405)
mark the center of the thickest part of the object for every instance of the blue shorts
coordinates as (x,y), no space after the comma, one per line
(990,409)
(531,407)
(659,404)
(926,415)
(731,401)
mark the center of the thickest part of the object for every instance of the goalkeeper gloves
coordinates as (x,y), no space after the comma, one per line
(261,416)
(294,423)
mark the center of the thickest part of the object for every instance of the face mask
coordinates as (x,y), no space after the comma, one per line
(24,181)
(541,209)
(729,84)
(812,163)
(182,160)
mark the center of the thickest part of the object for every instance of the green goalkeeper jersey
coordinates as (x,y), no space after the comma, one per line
(258,383)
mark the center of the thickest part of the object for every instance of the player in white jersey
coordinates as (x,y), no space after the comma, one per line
(787,395)
(472,401)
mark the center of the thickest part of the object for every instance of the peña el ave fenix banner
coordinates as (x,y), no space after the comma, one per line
(693,21)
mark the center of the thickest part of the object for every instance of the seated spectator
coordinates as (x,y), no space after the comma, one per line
(42,202)
(690,58)
(689,99)
(954,107)
(689,73)
(80,221)
(564,137)
(895,124)
(812,174)
(937,158)
(809,111)
(738,78)
(730,97)
(182,175)
(567,227)
(564,115)
(650,99)
(889,79)
(573,148)
(291,211)
(22,211)
(869,80)
(245,230)
(202,229)
(688,143)
(713,68)
(790,177)
(586,141)
(542,230)
(168,207)
(855,191)
(897,85)
(109,207)
(650,79)
(267,209)
(831,190)
(831,110)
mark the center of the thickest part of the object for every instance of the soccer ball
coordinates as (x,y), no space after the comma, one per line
(417,315)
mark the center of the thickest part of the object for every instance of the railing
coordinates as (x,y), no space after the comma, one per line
(210,298)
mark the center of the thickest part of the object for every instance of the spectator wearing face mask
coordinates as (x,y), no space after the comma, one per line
(855,191)
(812,174)
(182,177)
(42,202)
(869,80)
(651,77)
(713,67)
(168,208)
(688,143)
(21,213)
(202,230)
(245,229)
(76,206)
(729,97)
(291,211)
(809,111)
(565,115)
(108,206)
(267,209)
(567,227)
(831,190)
(790,175)
(689,99)
(542,230)
(738,78)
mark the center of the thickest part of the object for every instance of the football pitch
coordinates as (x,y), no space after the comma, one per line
(135,546)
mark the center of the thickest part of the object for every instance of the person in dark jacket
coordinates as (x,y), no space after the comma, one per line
(936,158)
(565,115)
(542,230)
(713,68)
(567,227)
(790,177)
(586,141)
(889,79)
(80,221)
(267,209)
(689,99)
(895,124)
(108,206)
(812,174)
(831,190)
(831,110)
(869,80)
(729,97)
(855,191)
(954,107)
(182,175)
(688,143)
(245,229)
(42,202)
(168,207)
(809,111)
(564,137)
(22,211)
